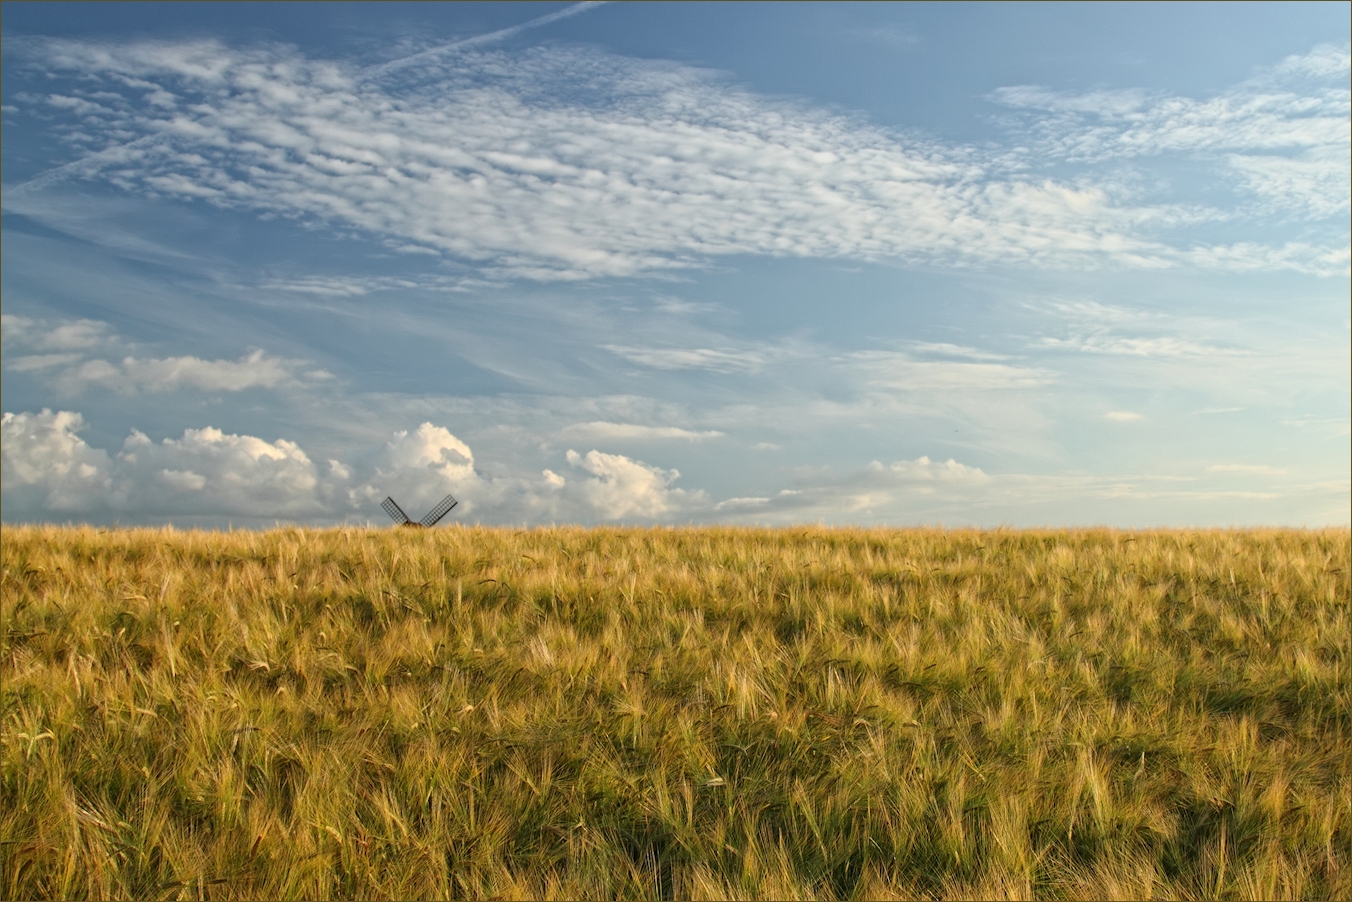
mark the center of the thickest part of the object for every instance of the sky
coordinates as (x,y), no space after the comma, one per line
(856,264)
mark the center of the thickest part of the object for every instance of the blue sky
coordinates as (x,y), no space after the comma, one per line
(955,264)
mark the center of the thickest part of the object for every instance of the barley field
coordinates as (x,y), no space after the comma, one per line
(675,713)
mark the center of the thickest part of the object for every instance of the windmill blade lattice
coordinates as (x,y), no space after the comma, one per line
(442,509)
(433,516)
(396,512)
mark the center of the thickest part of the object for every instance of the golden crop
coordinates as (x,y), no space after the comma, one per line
(701,713)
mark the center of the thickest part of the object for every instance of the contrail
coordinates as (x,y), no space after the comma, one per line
(492,36)
(82,165)
(42,180)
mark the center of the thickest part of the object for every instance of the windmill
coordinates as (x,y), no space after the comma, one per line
(398,516)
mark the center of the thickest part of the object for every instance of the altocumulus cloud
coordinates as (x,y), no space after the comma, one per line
(570,164)
(1283,135)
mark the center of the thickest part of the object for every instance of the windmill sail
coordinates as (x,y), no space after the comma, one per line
(441,510)
(435,514)
(396,512)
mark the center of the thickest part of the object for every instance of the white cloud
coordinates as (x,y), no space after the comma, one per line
(1285,136)
(43,463)
(600,430)
(1257,469)
(1325,62)
(72,372)
(434,53)
(626,488)
(28,363)
(70,335)
(894,371)
(926,491)
(1160,346)
(48,466)
(718,361)
(1315,182)
(1255,115)
(681,307)
(255,370)
(1296,256)
(1123,416)
(1095,328)
(1096,313)
(894,37)
(567,164)
(1331,426)
(207,471)
(875,490)
(922,469)
(885,371)
(48,469)
(951,350)
(433,448)
(353,286)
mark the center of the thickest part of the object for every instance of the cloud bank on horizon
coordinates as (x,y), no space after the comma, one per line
(558,213)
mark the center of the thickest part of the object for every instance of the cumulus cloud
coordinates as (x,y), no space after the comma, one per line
(48,469)
(44,464)
(206,472)
(923,469)
(421,466)
(556,163)
(625,488)
(209,471)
